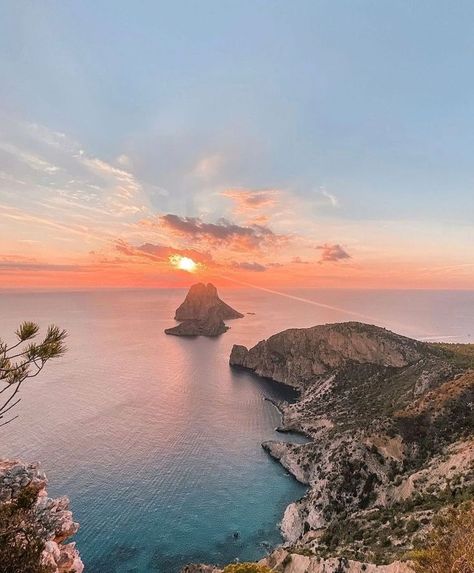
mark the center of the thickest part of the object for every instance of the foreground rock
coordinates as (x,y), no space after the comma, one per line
(202,313)
(392,427)
(51,516)
(285,561)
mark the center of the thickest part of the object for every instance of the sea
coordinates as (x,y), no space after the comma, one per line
(155,439)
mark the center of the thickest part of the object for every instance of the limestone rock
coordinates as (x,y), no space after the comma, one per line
(283,561)
(390,420)
(200,300)
(298,356)
(199,568)
(202,313)
(53,515)
(211,325)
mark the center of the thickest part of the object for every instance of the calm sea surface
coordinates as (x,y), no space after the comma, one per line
(155,439)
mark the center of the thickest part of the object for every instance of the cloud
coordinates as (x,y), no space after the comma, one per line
(332,253)
(223,233)
(124,161)
(48,175)
(31,160)
(249,200)
(330,197)
(299,261)
(254,267)
(161,253)
(22,266)
(12,263)
(208,167)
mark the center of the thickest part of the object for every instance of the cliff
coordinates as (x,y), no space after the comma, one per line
(391,424)
(211,325)
(202,313)
(284,561)
(298,356)
(47,523)
(200,300)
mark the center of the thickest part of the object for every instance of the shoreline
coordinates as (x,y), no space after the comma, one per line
(276,450)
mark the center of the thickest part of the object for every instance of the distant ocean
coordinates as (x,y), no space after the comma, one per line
(155,439)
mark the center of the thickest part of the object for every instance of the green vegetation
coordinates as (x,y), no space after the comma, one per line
(23,360)
(450,545)
(460,354)
(246,568)
(384,534)
(21,536)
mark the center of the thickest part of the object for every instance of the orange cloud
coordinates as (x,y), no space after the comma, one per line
(248,201)
(161,253)
(252,267)
(332,253)
(224,233)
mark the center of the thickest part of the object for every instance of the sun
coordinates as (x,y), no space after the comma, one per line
(183,263)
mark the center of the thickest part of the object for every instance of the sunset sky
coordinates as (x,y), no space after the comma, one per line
(275,143)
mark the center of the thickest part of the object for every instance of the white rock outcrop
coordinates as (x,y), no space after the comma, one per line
(53,515)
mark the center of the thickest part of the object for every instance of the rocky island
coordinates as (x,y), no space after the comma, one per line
(391,428)
(202,313)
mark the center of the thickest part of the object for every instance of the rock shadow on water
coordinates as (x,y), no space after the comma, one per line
(276,391)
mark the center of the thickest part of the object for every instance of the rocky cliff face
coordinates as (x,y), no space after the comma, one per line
(200,300)
(211,325)
(391,423)
(52,517)
(299,356)
(202,313)
(285,561)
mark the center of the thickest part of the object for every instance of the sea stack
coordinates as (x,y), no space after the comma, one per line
(202,313)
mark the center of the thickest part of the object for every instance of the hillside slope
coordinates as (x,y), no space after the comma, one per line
(391,424)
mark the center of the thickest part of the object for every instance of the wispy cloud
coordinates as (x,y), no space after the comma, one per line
(223,233)
(208,167)
(330,198)
(299,261)
(42,169)
(252,267)
(161,253)
(248,201)
(332,253)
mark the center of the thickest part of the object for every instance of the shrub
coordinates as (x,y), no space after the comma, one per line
(247,568)
(21,536)
(450,545)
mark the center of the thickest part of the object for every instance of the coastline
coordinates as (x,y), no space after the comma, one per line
(362,390)
(277,451)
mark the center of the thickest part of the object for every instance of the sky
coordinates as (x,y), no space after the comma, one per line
(309,143)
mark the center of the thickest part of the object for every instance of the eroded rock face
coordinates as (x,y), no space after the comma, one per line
(211,325)
(299,356)
(199,568)
(285,561)
(53,514)
(202,313)
(390,422)
(200,300)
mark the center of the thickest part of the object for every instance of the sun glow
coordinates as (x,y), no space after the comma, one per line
(183,263)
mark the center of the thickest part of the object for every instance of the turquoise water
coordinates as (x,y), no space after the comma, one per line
(155,439)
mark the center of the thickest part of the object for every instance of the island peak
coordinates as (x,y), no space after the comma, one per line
(202,313)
